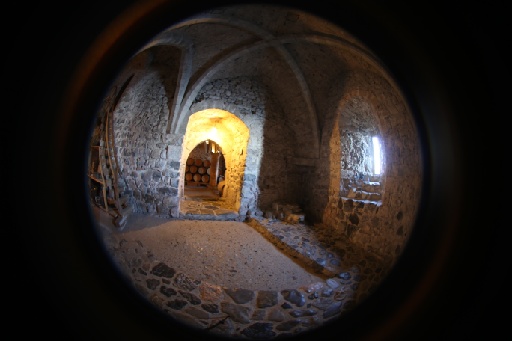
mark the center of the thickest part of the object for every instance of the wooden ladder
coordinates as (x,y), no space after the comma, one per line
(111,157)
(108,154)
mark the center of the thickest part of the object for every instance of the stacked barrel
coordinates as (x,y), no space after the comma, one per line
(197,172)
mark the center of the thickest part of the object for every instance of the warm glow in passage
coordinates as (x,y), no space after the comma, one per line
(212,135)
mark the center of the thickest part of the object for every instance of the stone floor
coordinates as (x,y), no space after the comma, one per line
(314,246)
(200,203)
(200,245)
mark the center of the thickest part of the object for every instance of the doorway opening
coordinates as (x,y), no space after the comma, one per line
(213,157)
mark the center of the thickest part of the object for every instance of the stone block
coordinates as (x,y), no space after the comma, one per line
(295,218)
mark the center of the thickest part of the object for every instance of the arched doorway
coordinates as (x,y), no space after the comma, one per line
(219,139)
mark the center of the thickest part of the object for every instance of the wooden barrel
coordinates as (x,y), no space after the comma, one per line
(190,161)
(198,162)
(193,169)
(208,170)
(201,170)
(187,168)
(197,177)
(188,176)
(205,178)
(206,163)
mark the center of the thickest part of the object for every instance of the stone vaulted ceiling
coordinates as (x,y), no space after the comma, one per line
(296,55)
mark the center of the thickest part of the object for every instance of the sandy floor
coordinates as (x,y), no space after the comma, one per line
(227,253)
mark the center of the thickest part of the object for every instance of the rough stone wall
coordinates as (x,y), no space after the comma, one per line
(277,182)
(148,158)
(358,124)
(199,153)
(356,148)
(380,226)
(263,177)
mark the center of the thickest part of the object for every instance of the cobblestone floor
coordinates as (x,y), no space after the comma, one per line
(204,204)
(321,257)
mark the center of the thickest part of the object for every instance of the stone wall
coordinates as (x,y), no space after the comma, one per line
(199,152)
(148,158)
(264,174)
(381,223)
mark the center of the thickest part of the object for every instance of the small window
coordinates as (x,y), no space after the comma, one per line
(376,156)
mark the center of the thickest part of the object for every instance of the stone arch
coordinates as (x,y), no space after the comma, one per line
(254,111)
(232,135)
(372,105)
(369,104)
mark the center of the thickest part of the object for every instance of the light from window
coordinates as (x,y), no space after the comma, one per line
(376,155)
